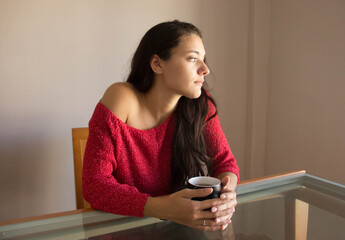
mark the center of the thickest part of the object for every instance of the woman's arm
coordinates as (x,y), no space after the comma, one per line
(223,162)
(100,188)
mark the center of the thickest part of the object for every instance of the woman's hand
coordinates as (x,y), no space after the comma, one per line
(228,194)
(178,207)
(229,183)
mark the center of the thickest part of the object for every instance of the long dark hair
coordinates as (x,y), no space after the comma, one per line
(189,150)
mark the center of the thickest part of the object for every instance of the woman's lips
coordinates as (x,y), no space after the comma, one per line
(200,83)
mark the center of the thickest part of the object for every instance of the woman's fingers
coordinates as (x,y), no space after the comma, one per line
(225,181)
(207,215)
(211,225)
(228,195)
(218,203)
(229,204)
(217,216)
(192,193)
(224,218)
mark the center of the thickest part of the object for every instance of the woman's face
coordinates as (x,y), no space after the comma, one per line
(184,72)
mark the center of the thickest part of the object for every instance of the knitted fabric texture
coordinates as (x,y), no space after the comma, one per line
(123,165)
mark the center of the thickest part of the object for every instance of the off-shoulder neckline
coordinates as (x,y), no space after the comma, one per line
(123,124)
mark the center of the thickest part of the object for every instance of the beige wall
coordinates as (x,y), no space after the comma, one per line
(58,57)
(306,90)
(278,82)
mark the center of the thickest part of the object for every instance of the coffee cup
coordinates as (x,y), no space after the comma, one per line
(205,182)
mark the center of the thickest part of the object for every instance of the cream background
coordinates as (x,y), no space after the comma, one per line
(279,83)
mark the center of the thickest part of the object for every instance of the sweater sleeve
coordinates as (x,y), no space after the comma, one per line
(100,187)
(218,147)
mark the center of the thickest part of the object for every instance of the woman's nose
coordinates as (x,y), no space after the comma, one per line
(203,70)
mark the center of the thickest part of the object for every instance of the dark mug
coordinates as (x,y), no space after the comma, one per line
(205,182)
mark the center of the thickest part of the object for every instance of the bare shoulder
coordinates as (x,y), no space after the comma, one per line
(121,98)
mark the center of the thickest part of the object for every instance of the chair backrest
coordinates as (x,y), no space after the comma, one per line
(79,136)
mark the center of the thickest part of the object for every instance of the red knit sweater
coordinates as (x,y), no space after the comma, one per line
(123,165)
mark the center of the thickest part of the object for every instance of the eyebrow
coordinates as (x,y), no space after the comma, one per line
(195,51)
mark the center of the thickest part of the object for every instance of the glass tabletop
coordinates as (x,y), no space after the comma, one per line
(295,206)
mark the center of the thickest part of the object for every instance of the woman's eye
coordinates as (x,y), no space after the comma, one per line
(193,59)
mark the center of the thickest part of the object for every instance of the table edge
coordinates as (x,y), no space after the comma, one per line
(71,212)
(45,216)
(273,176)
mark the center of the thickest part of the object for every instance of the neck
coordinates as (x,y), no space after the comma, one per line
(160,102)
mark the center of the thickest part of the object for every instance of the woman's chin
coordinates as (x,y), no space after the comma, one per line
(193,95)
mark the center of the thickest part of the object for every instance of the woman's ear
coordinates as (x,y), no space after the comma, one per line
(156,64)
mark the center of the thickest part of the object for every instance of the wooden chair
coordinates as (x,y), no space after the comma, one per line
(79,136)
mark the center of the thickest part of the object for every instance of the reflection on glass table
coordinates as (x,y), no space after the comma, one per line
(287,206)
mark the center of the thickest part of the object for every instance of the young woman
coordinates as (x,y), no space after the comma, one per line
(149,135)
